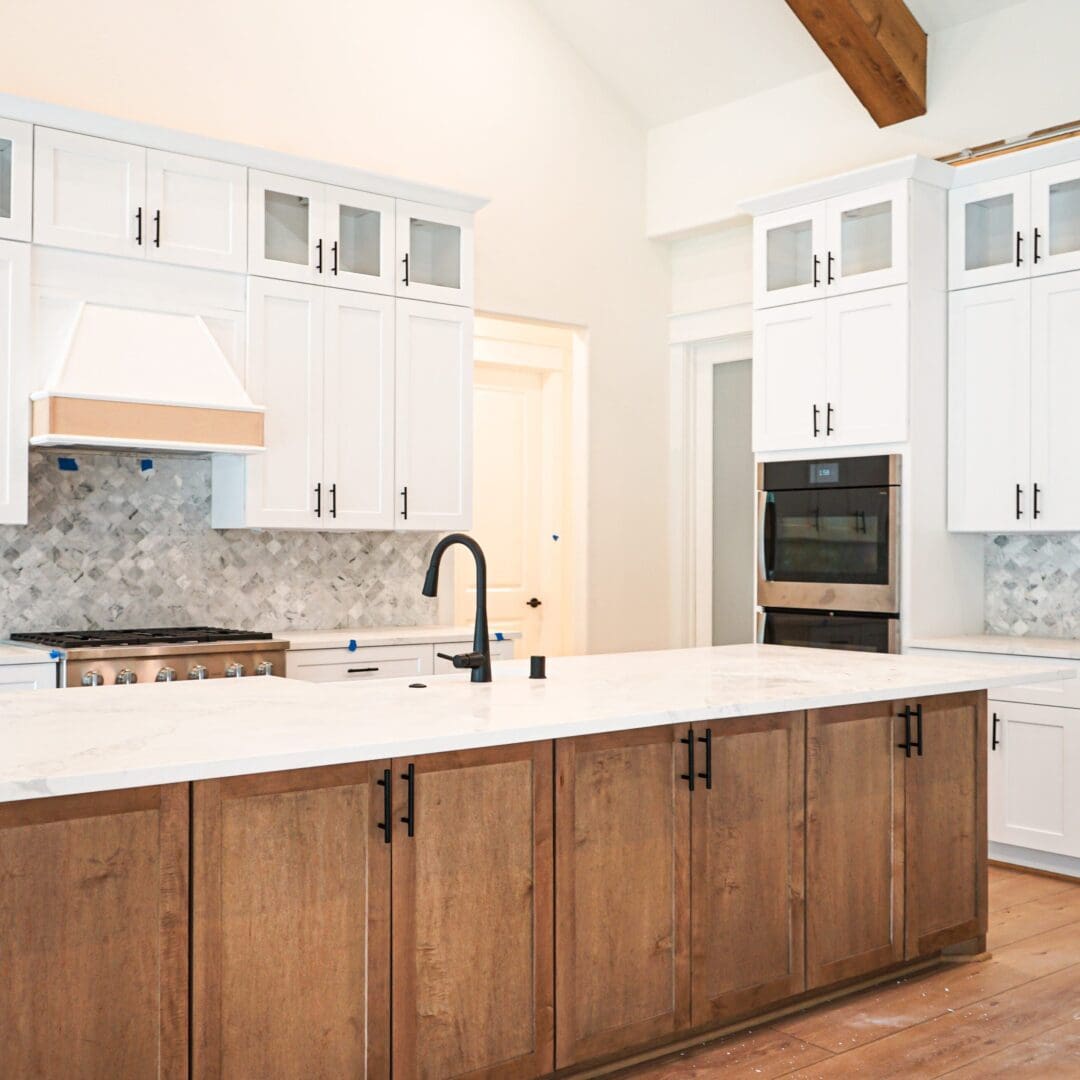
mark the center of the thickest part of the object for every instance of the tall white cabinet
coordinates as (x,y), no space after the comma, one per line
(14,380)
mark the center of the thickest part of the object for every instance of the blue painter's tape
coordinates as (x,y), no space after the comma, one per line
(67,464)
(352,644)
(555,536)
(55,654)
(146,464)
(499,636)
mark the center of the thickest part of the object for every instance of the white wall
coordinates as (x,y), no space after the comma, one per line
(476,94)
(1009,73)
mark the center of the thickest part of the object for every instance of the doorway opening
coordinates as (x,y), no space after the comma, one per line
(530,469)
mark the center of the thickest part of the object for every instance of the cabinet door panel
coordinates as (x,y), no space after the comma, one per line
(359,241)
(292,925)
(473,938)
(433,405)
(16,172)
(285,227)
(748,867)
(622,891)
(359,410)
(1055,219)
(89,193)
(989,408)
(435,254)
(1055,390)
(15,337)
(867,337)
(93,935)
(789,377)
(854,842)
(789,256)
(989,235)
(197,211)
(867,239)
(945,810)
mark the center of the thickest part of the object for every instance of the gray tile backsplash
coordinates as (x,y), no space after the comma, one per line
(1033,585)
(112,545)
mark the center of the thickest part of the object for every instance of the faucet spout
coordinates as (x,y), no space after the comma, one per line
(479,660)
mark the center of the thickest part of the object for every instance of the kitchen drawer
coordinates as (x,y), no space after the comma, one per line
(500,650)
(1062,692)
(34,676)
(341,665)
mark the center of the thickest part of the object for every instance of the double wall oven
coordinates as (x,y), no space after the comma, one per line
(829,553)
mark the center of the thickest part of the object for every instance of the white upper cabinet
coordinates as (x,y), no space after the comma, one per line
(16,169)
(304,231)
(196,212)
(1055,218)
(435,254)
(14,380)
(433,459)
(846,244)
(989,232)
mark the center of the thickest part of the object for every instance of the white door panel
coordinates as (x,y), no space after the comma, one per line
(286,219)
(435,254)
(16,172)
(989,233)
(867,237)
(789,256)
(14,380)
(1055,219)
(360,241)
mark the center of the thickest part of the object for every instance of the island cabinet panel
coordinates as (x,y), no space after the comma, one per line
(622,811)
(946,816)
(473,937)
(291,960)
(747,865)
(854,842)
(94,935)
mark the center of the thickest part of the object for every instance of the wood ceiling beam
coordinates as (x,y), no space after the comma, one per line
(878,47)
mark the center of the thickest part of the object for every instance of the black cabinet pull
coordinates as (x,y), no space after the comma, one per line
(318,500)
(1019,241)
(816,411)
(318,251)
(1019,489)
(1035,256)
(410,814)
(385,825)
(918,727)
(906,744)
(817,267)
(333,251)
(405,502)
(707,774)
(829,279)
(828,417)
(333,500)
(995,742)
(688,742)
(358,670)
(1035,502)
(157,228)
(138,226)
(406,262)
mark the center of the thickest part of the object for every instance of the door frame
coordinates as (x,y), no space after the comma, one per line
(728,332)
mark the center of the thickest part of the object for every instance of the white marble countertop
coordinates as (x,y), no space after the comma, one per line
(24,654)
(1006,644)
(382,635)
(57,742)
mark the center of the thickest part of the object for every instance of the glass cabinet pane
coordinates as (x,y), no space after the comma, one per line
(789,256)
(988,232)
(434,253)
(1065,217)
(7,151)
(288,221)
(866,239)
(359,230)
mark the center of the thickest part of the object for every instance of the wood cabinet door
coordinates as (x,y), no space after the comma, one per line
(622,899)
(473,940)
(748,865)
(945,810)
(854,842)
(291,955)
(94,935)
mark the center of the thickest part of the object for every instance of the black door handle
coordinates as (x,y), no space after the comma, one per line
(1035,502)
(405,502)
(359,670)
(995,742)
(816,411)
(138,226)
(1035,256)
(906,744)
(333,250)
(1019,241)
(1019,489)
(534,603)
(333,500)
(688,742)
(707,774)
(829,279)
(410,814)
(406,262)
(385,825)
(918,727)
(318,500)
(828,418)
(817,267)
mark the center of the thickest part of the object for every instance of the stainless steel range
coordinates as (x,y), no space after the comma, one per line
(167,654)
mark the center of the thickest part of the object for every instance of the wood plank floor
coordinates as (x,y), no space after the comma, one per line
(1015,1015)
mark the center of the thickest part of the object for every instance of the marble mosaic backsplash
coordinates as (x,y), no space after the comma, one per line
(112,545)
(1033,585)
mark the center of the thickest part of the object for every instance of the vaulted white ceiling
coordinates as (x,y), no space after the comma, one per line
(672,58)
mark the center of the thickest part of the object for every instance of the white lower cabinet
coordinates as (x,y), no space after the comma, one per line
(32,676)
(14,380)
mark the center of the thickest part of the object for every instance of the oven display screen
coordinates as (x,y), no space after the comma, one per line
(825,472)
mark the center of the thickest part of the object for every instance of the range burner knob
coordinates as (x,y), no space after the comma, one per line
(265,667)
(198,672)
(125,677)
(234,671)
(93,678)
(166,674)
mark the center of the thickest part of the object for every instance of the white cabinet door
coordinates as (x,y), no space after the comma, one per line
(89,193)
(358,462)
(433,405)
(286,219)
(435,254)
(789,256)
(867,382)
(1055,219)
(790,366)
(16,170)
(989,235)
(359,231)
(867,236)
(1055,391)
(32,676)
(1034,777)
(14,380)
(989,408)
(196,211)
(285,373)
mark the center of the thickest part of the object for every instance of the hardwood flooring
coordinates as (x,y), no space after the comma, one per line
(1015,1015)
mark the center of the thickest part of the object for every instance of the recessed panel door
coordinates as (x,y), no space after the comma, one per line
(286,233)
(435,254)
(867,239)
(16,170)
(1055,219)
(360,239)
(789,256)
(989,233)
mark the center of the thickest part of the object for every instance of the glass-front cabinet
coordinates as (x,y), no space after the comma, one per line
(16,168)
(789,256)
(1055,219)
(435,254)
(989,234)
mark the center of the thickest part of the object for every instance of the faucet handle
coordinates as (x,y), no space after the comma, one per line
(463,660)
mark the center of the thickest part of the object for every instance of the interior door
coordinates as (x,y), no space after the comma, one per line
(790,373)
(358,463)
(1055,389)
(867,378)
(435,253)
(989,232)
(14,380)
(286,228)
(89,194)
(1055,219)
(359,241)
(197,211)
(990,408)
(433,405)
(867,239)
(789,256)
(16,172)
(285,484)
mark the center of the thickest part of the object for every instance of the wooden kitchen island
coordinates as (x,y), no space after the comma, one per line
(271,879)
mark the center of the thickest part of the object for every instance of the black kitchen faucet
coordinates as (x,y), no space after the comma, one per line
(479,660)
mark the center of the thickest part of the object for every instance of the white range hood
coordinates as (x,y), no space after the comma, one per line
(142,379)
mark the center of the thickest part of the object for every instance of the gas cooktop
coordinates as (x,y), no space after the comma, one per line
(111,639)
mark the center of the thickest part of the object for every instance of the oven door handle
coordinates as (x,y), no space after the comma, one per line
(766,535)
